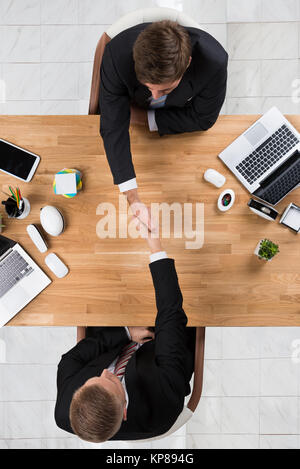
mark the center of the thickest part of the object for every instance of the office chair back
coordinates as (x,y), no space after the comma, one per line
(188,411)
(143,15)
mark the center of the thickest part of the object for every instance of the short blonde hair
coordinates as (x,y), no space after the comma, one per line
(95,414)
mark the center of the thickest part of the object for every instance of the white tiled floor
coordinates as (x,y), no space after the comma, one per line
(251,395)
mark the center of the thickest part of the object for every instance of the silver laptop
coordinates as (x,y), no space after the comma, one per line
(21,279)
(266,157)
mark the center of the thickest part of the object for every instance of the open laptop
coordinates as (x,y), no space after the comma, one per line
(21,279)
(266,157)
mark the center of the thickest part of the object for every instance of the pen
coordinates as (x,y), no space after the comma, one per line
(12,193)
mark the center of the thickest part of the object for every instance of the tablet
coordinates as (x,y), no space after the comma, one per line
(17,162)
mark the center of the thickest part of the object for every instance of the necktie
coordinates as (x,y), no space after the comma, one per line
(124,358)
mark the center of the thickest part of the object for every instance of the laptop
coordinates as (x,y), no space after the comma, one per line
(21,279)
(266,157)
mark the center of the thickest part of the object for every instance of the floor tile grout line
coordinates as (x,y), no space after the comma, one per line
(265,396)
(260,389)
(90,61)
(248,433)
(221,402)
(40,6)
(40,438)
(207,23)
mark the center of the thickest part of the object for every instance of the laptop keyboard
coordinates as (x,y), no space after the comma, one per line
(277,189)
(267,154)
(12,269)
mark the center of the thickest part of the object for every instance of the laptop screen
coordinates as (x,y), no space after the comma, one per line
(5,244)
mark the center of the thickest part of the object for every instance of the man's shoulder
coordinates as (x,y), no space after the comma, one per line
(126,39)
(121,50)
(206,48)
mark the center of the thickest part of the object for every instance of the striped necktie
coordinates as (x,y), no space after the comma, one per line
(124,358)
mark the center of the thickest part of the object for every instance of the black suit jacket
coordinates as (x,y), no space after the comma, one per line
(157,375)
(194,105)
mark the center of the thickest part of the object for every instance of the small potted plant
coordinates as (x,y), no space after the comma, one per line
(266,249)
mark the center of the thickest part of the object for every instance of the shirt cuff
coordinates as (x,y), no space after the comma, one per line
(128,333)
(128,185)
(152,121)
(157,256)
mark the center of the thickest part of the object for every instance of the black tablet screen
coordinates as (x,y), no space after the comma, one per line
(15,160)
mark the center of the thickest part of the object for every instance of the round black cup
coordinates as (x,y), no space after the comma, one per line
(12,209)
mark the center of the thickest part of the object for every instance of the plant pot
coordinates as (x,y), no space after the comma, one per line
(256,251)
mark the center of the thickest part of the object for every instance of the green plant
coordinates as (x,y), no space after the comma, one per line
(267,249)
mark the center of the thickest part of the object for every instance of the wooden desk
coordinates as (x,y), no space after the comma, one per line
(109,284)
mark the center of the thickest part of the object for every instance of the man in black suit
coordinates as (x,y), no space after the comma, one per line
(99,401)
(172,77)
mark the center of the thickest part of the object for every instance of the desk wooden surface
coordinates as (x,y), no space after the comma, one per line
(109,284)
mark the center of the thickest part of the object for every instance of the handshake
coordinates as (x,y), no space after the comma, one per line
(148,227)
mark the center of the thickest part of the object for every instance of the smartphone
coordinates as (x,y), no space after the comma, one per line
(17,162)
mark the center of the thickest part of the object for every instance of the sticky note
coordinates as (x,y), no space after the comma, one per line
(66,183)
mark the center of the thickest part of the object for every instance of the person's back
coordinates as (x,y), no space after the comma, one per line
(156,376)
(206,51)
(163,75)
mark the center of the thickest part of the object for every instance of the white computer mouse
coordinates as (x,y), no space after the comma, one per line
(215,178)
(52,220)
(56,265)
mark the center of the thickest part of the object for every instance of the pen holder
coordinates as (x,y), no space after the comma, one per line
(12,209)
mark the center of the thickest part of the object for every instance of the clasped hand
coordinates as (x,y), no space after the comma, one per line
(140,334)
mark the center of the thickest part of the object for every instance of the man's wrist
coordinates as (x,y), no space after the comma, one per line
(132,196)
(154,244)
(128,185)
(157,256)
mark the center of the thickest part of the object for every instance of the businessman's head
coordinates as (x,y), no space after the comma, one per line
(162,53)
(98,408)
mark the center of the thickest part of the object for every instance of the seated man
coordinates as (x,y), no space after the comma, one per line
(171,76)
(112,386)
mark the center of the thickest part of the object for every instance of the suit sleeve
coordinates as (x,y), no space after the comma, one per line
(114,106)
(170,327)
(202,112)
